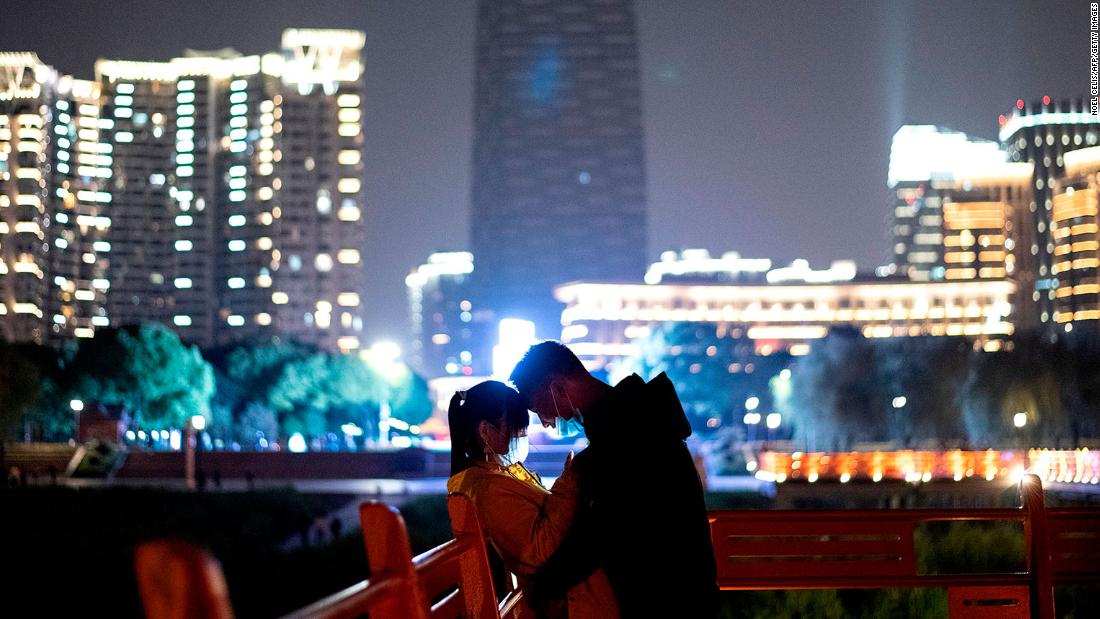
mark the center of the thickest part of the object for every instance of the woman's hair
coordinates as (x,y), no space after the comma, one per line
(490,401)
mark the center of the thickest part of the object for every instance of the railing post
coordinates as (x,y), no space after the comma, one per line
(389,556)
(179,581)
(1038,547)
(477,580)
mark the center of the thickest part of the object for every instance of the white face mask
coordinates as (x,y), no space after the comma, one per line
(517,450)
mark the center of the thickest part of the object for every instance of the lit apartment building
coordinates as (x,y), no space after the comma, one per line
(238,191)
(52,203)
(79,262)
(315,124)
(1075,228)
(795,307)
(1041,132)
(140,98)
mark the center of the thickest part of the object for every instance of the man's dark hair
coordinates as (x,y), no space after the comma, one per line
(542,362)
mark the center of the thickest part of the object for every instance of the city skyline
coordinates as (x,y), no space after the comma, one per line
(732,188)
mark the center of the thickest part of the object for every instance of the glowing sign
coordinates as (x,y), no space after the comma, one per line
(515,337)
(22,75)
(321,57)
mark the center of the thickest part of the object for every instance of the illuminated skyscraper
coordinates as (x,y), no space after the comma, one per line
(316,196)
(448,333)
(1075,228)
(960,209)
(238,189)
(140,98)
(79,213)
(52,203)
(1041,132)
(559,176)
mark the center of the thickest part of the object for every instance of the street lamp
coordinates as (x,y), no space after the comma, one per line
(76,406)
(192,445)
(899,403)
(351,432)
(751,417)
(773,420)
(383,357)
(751,420)
(296,443)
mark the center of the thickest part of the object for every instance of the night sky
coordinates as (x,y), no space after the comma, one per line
(768,124)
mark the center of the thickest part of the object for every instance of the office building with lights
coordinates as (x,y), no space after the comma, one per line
(53,200)
(1075,229)
(559,175)
(960,209)
(793,307)
(238,191)
(449,336)
(1041,132)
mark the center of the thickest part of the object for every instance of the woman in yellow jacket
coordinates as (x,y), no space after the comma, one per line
(523,521)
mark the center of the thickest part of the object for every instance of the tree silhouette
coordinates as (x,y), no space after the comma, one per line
(924,374)
(144,371)
(714,370)
(835,400)
(1028,380)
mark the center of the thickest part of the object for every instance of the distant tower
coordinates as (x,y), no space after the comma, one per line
(237,191)
(445,334)
(1042,132)
(559,169)
(1075,228)
(53,203)
(960,210)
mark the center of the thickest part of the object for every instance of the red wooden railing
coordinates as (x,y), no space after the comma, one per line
(178,581)
(855,550)
(754,550)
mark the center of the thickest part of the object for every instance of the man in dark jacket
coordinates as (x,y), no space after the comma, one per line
(642,518)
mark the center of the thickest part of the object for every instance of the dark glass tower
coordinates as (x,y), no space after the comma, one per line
(559,182)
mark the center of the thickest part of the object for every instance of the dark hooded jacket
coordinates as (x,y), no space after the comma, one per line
(643,518)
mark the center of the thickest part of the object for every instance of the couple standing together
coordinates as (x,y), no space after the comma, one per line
(623,531)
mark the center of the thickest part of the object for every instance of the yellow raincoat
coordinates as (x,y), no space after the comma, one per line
(525,523)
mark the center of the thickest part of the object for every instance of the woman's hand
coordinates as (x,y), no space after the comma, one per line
(568,461)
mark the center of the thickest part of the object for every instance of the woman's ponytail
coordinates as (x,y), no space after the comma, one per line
(460,461)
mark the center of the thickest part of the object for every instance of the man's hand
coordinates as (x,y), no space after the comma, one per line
(568,461)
